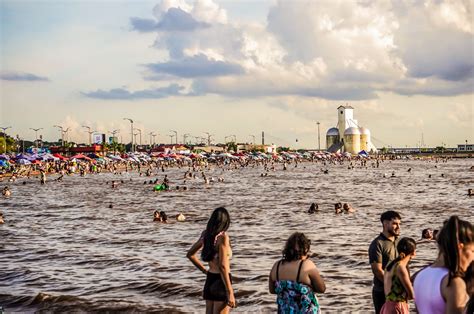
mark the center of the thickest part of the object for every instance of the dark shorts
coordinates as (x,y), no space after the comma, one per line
(214,288)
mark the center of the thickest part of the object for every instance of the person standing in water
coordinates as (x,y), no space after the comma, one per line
(216,251)
(382,251)
(440,288)
(295,278)
(397,283)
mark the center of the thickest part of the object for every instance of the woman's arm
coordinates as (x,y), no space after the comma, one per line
(317,282)
(271,279)
(223,244)
(404,276)
(192,256)
(455,295)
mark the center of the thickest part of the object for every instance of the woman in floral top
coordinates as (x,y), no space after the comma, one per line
(295,278)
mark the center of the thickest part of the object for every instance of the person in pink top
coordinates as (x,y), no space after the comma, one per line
(440,288)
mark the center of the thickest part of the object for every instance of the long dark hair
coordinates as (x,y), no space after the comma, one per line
(296,246)
(405,246)
(454,231)
(219,221)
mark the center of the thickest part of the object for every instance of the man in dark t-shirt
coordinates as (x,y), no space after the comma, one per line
(382,251)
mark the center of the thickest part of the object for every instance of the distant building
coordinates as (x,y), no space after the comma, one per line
(348,135)
(254,147)
(466,147)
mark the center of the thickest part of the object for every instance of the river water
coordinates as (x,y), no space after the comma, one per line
(63,249)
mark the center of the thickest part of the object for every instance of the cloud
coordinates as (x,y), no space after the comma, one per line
(143,25)
(436,45)
(123,94)
(195,66)
(18,76)
(174,20)
(335,50)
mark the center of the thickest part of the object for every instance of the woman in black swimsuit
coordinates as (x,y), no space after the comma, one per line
(215,244)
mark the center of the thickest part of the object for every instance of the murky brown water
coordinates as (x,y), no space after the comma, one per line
(63,249)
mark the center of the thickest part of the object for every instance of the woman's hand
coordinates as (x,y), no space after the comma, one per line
(231,299)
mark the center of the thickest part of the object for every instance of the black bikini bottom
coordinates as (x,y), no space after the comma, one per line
(214,288)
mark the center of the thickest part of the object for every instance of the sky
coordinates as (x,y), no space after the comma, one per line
(239,67)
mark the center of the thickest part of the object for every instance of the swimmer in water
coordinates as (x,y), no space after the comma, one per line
(348,208)
(180,217)
(470,192)
(427,234)
(6,191)
(337,208)
(313,208)
(1,219)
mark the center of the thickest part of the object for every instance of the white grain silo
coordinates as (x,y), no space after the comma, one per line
(352,140)
(332,137)
(364,139)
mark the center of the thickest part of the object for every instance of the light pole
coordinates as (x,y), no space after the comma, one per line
(176,135)
(61,129)
(171,138)
(209,135)
(185,136)
(90,133)
(36,135)
(131,134)
(114,143)
(135,134)
(140,132)
(151,135)
(319,138)
(253,136)
(9,127)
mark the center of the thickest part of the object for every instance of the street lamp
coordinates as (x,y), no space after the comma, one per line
(185,136)
(253,136)
(9,127)
(62,133)
(90,133)
(131,133)
(319,138)
(176,135)
(209,135)
(151,135)
(140,132)
(36,135)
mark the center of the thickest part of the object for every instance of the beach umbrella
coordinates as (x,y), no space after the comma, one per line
(23,162)
(4,157)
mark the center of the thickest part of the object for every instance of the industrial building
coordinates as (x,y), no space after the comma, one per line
(348,135)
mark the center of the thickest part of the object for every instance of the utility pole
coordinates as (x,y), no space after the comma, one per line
(131,134)
(36,135)
(9,127)
(319,138)
(90,133)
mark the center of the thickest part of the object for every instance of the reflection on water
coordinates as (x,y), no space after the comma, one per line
(62,248)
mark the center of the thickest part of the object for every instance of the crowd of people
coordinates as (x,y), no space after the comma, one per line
(446,286)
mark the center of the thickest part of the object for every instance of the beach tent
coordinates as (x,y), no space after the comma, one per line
(4,163)
(59,156)
(80,156)
(363,153)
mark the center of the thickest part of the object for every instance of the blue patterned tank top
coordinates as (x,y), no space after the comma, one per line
(295,297)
